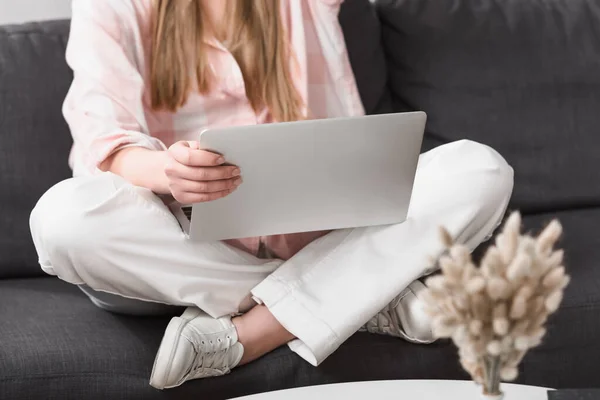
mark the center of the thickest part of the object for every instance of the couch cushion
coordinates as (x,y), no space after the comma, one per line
(34,139)
(521,76)
(57,345)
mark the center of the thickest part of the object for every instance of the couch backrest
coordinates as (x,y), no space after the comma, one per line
(362,30)
(521,76)
(35,141)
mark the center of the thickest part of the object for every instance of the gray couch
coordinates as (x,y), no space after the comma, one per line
(521,76)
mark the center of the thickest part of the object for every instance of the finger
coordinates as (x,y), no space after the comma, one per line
(186,155)
(194,145)
(191,198)
(187,186)
(202,173)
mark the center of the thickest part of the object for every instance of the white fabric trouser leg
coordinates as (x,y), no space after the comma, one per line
(329,290)
(113,237)
(117,238)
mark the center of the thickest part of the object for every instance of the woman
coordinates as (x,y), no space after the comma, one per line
(148,77)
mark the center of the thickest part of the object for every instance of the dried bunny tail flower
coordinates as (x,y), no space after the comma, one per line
(548,238)
(537,305)
(437,283)
(460,335)
(556,258)
(553,301)
(527,246)
(513,223)
(519,268)
(501,326)
(502,246)
(442,331)
(446,238)
(469,271)
(509,374)
(518,308)
(526,291)
(451,269)
(498,288)
(491,264)
(479,346)
(519,329)
(480,307)
(536,337)
(471,351)
(526,342)
(448,307)
(539,333)
(469,366)
(475,285)
(515,358)
(554,278)
(479,376)
(539,320)
(507,344)
(494,348)
(448,320)
(437,304)
(500,323)
(461,254)
(522,343)
(534,342)
(475,327)
(461,303)
(429,297)
(544,265)
(444,326)
(468,354)
(432,310)
(432,263)
(498,310)
(508,241)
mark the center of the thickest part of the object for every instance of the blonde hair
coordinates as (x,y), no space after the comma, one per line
(256,38)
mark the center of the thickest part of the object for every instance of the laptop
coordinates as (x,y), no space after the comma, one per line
(313,175)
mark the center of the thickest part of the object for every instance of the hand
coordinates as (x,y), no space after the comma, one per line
(196,176)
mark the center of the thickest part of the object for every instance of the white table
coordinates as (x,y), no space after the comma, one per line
(401,390)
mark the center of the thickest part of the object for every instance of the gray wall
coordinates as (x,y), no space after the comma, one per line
(18,11)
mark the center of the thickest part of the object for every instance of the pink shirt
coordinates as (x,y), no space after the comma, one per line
(108,105)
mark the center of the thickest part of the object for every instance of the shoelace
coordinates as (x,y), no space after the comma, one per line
(387,320)
(208,359)
(391,322)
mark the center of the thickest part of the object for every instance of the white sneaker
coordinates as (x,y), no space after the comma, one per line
(194,346)
(404,317)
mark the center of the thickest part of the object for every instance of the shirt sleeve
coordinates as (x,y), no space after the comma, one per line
(334,5)
(104,106)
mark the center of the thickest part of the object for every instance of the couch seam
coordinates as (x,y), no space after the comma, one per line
(107,374)
(30,33)
(66,375)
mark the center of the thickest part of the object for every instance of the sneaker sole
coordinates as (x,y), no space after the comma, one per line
(164,356)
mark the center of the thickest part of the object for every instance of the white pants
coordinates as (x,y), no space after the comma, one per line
(103,232)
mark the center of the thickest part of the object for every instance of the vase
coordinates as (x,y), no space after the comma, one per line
(492,396)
